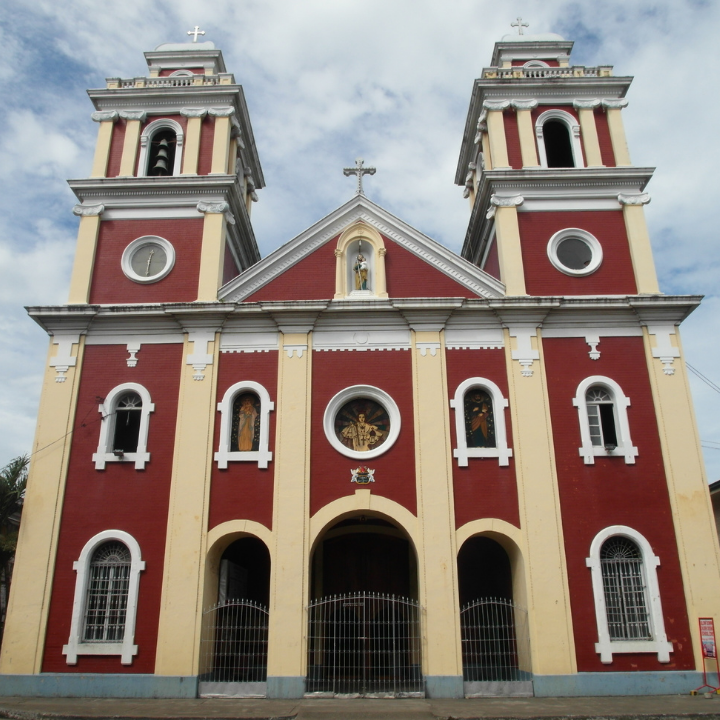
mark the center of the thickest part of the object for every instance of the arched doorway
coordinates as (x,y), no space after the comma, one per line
(495,638)
(364,616)
(233,654)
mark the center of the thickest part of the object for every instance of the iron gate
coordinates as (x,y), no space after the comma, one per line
(495,647)
(233,650)
(364,644)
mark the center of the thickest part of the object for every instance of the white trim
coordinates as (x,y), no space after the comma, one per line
(107,409)
(361,391)
(573,130)
(126,649)
(501,450)
(605,647)
(262,456)
(622,427)
(535,63)
(134,246)
(590,240)
(146,137)
(181,73)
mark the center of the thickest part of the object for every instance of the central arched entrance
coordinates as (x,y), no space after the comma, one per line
(364,616)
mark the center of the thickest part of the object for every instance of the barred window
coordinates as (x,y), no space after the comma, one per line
(624,588)
(107,593)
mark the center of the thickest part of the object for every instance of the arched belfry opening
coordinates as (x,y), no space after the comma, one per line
(233,654)
(558,146)
(363,614)
(493,619)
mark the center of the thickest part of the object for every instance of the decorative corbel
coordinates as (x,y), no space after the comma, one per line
(105,116)
(639,199)
(615,104)
(140,115)
(193,112)
(217,208)
(88,210)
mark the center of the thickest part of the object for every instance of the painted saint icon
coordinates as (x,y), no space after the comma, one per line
(360,268)
(245,431)
(479,420)
(362,425)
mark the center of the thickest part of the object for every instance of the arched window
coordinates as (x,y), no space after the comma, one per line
(245,425)
(627,596)
(480,421)
(161,146)
(106,595)
(124,427)
(558,139)
(602,414)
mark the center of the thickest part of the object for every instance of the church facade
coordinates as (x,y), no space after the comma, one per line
(364,465)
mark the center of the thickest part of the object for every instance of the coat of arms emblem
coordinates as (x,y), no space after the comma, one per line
(362,475)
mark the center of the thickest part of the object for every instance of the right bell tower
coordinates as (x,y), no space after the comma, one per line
(556,203)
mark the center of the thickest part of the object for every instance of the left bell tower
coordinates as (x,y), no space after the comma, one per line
(165,213)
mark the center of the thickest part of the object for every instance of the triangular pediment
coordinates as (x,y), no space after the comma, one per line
(470,278)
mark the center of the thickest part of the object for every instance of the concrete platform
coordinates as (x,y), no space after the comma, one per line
(663,707)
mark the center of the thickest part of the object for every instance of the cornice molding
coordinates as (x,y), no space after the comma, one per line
(88,210)
(140,115)
(105,116)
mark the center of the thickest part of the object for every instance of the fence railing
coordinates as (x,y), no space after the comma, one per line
(364,644)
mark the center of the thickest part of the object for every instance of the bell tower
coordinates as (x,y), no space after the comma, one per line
(556,204)
(165,213)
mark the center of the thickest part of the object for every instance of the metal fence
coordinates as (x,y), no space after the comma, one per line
(495,641)
(234,643)
(364,644)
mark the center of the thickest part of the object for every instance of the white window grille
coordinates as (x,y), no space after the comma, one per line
(146,138)
(226,452)
(500,450)
(573,129)
(604,426)
(628,609)
(124,427)
(106,596)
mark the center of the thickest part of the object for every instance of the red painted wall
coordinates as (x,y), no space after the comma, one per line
(389,370)
(109,283)
(179,119)
(593,497)
(207,136)
(603,131)
(540,109)
(483,489)
(614,276)
(512,136)
(230,269)
(492,261)
(244,491)
(117,498)
(116,148)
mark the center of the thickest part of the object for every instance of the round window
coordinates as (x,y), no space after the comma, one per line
(148,259)
(575,252)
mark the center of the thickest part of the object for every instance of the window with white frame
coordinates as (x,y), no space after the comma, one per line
(124,427)
(558,140)
(161,144)
(628,609)
(106,597)
(245,425)
(480,421)
(604,426)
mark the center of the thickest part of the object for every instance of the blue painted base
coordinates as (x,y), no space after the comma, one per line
(97,685)
(444,686)
(614,683)
(283,687)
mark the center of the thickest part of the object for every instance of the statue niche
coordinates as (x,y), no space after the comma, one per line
(360,267)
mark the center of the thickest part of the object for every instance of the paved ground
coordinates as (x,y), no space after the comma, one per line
(665,707)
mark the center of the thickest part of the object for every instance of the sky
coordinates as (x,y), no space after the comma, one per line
(327,81)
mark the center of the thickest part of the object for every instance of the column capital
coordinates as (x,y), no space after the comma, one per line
(221,111)
(586,104)
(615,104)
(218,208)
(140,115)
(639,199)
(524,104)
(496,105)
(88,210)
(193,112)
(105,116)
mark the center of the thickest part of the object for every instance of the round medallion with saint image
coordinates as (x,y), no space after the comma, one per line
(362,424)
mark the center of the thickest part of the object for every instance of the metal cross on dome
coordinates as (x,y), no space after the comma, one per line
(359,170)
(520,25)
(197,31)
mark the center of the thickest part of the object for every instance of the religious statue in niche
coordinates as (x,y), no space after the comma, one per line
(245,430)
(479,420)
(362,424)
(360,271)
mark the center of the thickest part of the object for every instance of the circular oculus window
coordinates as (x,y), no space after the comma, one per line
(575,252)
(148,259)
(362,422)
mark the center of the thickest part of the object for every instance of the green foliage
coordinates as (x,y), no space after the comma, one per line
(13,479)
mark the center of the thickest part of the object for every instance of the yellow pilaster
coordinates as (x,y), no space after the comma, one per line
(507,236)
(639,241)
(81,279)
(551,637)
(212,254)
(291,504)
(24,636)
(617,133)
(487,154)
(437,564)
(104,140)
(130,148)
(496,133)
(695,530)
(588,128)
(528,150)
(221,145)
(191,151)
(178,643)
